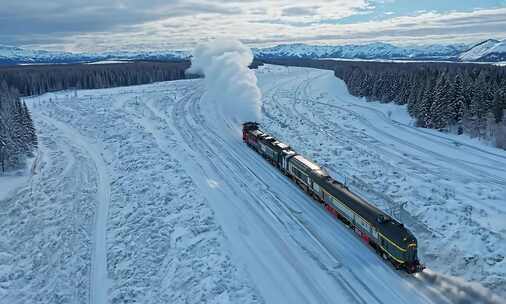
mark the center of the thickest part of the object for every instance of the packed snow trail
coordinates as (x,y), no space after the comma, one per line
(99,282)
(192,215)
(47,228)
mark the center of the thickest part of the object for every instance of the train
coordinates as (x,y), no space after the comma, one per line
(385,235)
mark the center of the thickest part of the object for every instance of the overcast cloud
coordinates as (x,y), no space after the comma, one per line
(97,25)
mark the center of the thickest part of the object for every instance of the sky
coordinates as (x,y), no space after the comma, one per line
(107,25)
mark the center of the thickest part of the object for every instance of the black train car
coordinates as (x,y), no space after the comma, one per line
(386,235)
(264,144)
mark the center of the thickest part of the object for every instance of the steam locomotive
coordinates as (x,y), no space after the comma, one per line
(389,238)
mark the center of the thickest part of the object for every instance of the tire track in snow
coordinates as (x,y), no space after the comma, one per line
(233,158)
(309,102)
(98,282)
(467,165)
(304,98)
(471,170)
(187,119)
(440,139)
(188,134)
(302,88)
(346,277)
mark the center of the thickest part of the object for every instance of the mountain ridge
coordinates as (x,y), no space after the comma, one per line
(488,50)
(377,50)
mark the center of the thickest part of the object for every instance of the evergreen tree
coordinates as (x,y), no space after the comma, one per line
(17,135)
(424,118)
(30,129)
(458,103)
(439,110)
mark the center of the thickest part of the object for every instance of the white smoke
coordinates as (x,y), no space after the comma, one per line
(230,84)
(457,290)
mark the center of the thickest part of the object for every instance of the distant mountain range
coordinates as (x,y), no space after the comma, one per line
(487,51)
(15,55)
(365,51)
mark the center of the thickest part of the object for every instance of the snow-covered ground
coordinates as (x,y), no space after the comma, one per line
(452,187)
(10,182)
(146,194)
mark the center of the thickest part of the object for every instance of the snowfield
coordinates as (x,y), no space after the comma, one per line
(146,194)
(452,188)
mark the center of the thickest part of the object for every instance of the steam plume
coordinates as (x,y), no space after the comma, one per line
(458,291)
(230,84)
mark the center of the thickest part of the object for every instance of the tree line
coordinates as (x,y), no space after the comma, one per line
(18,139)
(39,79)
(450,97)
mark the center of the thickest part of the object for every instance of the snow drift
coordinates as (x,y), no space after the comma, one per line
(230,84)
(458,290)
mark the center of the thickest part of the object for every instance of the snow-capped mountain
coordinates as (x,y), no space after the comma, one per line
(144,55)
(15,55)
(366,51)
(10,54)
(488,50)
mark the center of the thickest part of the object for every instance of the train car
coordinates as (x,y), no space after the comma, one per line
(386,235)
(305,172)
(383,233)
(251,135)
(271,149)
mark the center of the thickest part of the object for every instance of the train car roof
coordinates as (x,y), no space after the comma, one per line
(311,167)
(387,225)
(289,152)
(281,145)
(274,144)
(309,164)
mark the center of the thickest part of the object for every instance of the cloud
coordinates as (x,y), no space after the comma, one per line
(77,16)
(34,17)
(439,26)
(425,28)
(300,11)
(96,25)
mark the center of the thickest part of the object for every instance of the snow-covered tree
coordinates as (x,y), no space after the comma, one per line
(17,133)
(440,109)
(449,97)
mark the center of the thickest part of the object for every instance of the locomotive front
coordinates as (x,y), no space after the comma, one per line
(413,263)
